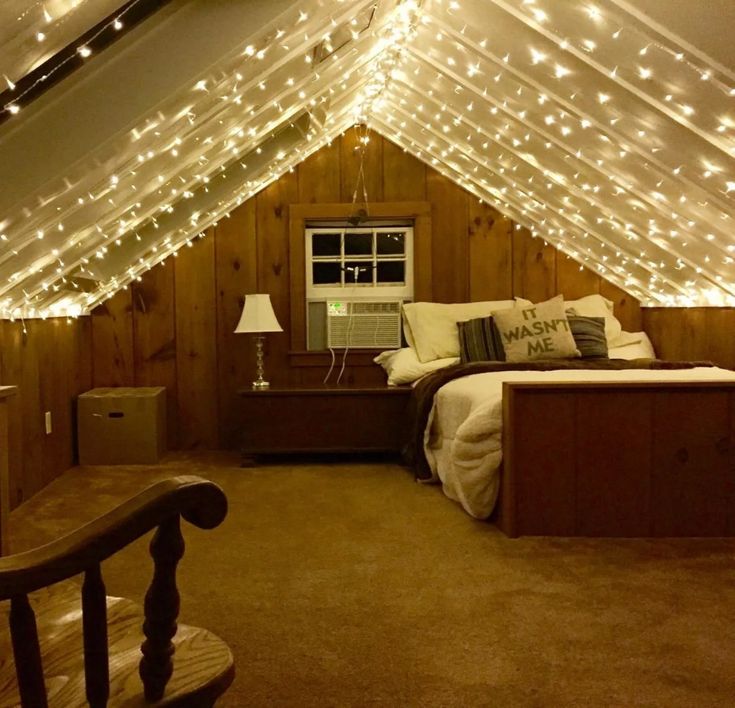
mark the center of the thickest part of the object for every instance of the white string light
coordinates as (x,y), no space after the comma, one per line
(574,138)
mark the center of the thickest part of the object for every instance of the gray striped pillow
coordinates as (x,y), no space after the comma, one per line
(479,340)
(589,335)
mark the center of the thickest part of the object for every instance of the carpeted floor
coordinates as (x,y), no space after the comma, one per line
(350,585)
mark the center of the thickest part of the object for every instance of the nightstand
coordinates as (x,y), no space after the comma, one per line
(323,419)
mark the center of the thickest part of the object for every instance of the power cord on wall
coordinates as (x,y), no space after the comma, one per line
(350,321)
(350,325)
(331,366)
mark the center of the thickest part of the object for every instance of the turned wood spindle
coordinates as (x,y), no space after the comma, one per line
(161,609)
(27,653)
(94,624)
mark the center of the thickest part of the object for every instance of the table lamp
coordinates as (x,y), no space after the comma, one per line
(257,318)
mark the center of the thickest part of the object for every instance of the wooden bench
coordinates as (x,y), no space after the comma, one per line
(95,649)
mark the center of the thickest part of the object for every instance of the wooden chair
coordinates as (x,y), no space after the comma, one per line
(106,649)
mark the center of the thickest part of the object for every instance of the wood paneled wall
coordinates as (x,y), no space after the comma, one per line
(693,334)
(51,365)
(175,327)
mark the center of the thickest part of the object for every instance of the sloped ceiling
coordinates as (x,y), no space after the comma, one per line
(606,131)
(33,31)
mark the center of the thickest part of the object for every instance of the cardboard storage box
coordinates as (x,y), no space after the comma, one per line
(121,426)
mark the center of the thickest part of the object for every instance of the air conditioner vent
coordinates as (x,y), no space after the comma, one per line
(375,308)
(364,324)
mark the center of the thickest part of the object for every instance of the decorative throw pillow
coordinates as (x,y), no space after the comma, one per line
(589,336)
(591,306)
(540,331)
(479,340)
(597,306)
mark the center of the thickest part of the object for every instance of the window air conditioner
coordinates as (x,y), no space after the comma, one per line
(364,324)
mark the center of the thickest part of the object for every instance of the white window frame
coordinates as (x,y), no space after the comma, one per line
(348,288)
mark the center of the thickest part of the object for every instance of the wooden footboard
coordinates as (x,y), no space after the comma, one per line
(618,460)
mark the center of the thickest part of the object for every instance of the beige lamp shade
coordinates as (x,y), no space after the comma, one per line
(257,315)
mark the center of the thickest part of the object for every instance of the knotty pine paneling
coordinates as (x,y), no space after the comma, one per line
(196,346)
(534,267)
(490,255)
(449,243)
(154,328)
(320,176)
(236,273)
(404,177)
(697,333)
(112,341)
(574,281)
(51,365)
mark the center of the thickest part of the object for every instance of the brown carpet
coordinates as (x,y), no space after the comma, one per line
(350,585)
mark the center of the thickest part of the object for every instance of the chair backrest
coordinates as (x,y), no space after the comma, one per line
(161,506)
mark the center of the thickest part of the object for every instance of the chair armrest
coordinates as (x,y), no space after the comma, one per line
(200,502)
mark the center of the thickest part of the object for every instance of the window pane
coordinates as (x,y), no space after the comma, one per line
(358,244)
(365,274)
(391,243)
(326,273)
(391,272)
(325,244)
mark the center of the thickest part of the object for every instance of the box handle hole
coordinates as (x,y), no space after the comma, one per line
(116,414)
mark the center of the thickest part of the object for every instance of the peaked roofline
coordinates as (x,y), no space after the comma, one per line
(551,115)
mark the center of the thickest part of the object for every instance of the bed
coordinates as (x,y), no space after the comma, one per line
(554,444)
(594,447)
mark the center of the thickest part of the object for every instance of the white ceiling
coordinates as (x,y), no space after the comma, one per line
(32,31)
(595,125)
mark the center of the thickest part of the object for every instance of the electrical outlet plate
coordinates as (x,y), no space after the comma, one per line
(47,420)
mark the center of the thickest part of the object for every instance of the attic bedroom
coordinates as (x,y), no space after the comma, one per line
(422,311)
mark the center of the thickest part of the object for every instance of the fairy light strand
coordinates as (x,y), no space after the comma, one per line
(544,129)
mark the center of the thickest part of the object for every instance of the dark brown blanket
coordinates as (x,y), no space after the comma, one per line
(422,398)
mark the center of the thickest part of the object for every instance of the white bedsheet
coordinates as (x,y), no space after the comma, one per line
(463,436)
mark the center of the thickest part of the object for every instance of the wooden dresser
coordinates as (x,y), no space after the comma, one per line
(5,393)
(323,419)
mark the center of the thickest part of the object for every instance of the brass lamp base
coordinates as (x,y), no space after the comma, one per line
(260,383)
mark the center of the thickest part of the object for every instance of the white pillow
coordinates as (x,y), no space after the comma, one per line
(403,366)
(627,338)
(592,306)
(641,348)
(431,327)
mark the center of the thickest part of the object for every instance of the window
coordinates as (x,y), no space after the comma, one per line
(359,262)
(356,279)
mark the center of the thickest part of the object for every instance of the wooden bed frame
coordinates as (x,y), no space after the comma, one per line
(618,460)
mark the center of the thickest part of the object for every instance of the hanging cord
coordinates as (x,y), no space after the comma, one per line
(363,135)
(350,322)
